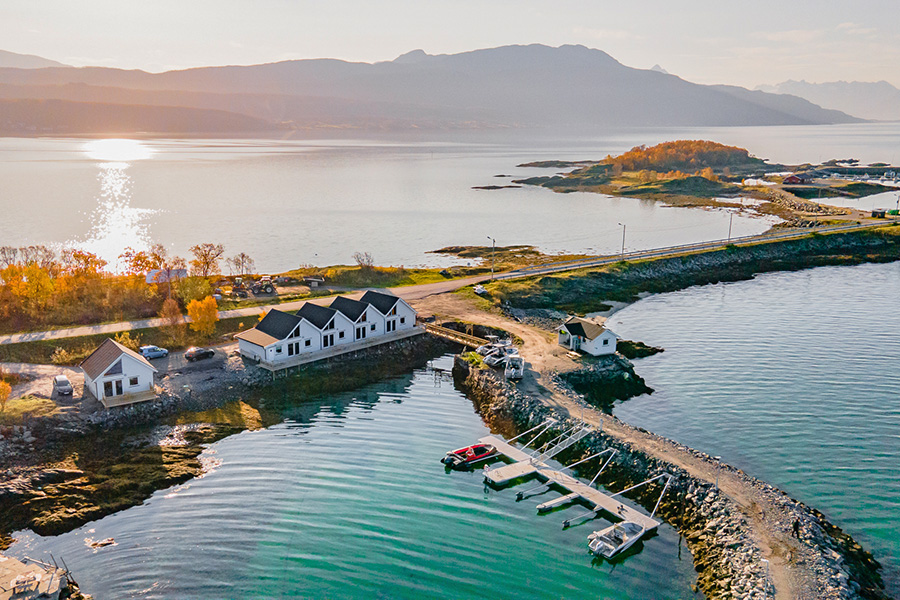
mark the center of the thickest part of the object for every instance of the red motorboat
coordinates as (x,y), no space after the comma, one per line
(468,455)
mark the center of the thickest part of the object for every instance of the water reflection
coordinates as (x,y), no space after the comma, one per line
(116,224)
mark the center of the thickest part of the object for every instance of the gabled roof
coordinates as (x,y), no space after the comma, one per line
(315,314)
(277,324)
(383,302)
(584,328)
(352,309)
(105,355)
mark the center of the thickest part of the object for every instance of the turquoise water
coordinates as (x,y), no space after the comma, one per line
(794,377)
(347,499)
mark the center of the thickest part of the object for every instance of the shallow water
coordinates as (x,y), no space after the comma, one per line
(793,377)
(347,499)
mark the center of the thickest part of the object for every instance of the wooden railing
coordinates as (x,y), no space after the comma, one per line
(455,336)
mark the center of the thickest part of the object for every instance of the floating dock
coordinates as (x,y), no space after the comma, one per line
(21,581)
(526,463)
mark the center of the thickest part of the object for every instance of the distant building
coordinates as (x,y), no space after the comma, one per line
(587,336)
(164,276)
(281,339)
(796,178)
(117,375)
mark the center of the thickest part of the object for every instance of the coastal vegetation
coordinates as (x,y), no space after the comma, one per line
(585,290)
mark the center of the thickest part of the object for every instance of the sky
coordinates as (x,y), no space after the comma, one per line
(730,42)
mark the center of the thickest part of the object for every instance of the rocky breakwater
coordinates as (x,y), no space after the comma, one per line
(728,539)
(603,380)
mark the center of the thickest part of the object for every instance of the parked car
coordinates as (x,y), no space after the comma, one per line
(62,386)
(192,354)
(153,352)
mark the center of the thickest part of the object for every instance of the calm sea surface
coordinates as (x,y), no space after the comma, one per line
(793,377)
(292,202)
(347,499)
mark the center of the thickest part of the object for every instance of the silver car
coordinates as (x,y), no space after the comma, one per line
(153,352)
(62,386)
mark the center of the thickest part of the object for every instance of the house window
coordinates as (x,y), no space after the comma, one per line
(330,325)
(402,320)
(278,349)
(393,312)
(362,318)
(606,342)
(116,369)
(308,343)
(373,326)
(133,381)
(341,335)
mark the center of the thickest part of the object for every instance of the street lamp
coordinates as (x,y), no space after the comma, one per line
(623,240)
(730,221)
(493,243)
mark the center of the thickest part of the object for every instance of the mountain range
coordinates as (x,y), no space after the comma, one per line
(531,86)
(870,100)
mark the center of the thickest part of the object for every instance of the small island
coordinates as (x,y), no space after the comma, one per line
(706,173)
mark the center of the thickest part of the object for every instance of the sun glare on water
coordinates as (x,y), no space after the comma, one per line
(116,224)
(117,150)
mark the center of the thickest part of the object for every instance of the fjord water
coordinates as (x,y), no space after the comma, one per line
(347,499)
(793,377)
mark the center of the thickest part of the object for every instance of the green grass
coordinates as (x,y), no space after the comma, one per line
(18,409)
(688,186)
(384,277)
(78,348)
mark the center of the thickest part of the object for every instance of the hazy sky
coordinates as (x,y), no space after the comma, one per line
(745,43)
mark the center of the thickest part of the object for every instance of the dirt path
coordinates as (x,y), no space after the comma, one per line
(543,356)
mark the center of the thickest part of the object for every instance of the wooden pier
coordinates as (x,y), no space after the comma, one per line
(455,336)
(525,464)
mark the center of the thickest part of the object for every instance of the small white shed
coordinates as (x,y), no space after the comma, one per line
(117,375)
(587,336)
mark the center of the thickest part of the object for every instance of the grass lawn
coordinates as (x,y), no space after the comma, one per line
(77,349)
(17,409)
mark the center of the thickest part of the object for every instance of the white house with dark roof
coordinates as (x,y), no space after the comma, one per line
(281,340)
(117,375)
(396,312)
(589,337)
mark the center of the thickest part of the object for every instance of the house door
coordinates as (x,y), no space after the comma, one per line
(576,342)
(361,333)
(113,388)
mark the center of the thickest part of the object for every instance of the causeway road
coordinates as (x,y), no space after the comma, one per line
(419,292)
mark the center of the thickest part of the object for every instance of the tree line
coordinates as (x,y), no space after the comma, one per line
(40,287)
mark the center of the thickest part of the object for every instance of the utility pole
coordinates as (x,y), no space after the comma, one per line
(730,220)
(493,243)
(623,241)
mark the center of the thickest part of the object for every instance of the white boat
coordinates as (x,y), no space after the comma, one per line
(515,367)
(489,347)
(500,356)
(615,539)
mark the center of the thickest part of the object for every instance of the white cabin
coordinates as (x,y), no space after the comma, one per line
(587,336)
(117,375)
(397,314)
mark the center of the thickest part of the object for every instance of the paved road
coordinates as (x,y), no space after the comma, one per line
(418,292)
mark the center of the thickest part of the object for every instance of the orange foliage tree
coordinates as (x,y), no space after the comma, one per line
(691,155)
(204,314)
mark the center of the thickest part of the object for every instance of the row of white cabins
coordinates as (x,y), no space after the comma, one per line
(117,375)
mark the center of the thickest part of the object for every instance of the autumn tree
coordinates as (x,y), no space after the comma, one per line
(204,314)
(206,259)
(168,266)
(241,264)
(173,320)
(365,260)
(192,288)
(5,391)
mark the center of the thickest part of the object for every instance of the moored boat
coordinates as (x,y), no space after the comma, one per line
(615,539)
(469,455)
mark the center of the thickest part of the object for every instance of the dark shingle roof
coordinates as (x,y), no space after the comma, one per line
(383,302)
(315,314)
(584,328)
(278,324)
(352,309)
(107,352)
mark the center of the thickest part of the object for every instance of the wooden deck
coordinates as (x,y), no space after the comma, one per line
(49,584)
(127,399)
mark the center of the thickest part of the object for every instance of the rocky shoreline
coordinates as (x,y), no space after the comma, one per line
(63,472)
(727,555)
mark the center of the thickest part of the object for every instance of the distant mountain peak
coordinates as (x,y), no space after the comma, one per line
(13,60)
(659,69)
(413,56)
